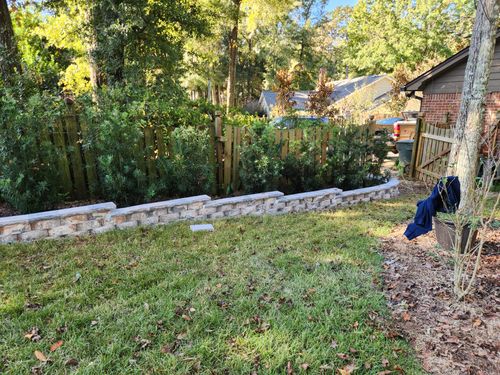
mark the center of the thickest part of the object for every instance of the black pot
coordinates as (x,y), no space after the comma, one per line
(446,234)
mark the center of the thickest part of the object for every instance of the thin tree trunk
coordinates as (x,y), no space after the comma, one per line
(95,80)
(469,127)
(9,55)
(233,56)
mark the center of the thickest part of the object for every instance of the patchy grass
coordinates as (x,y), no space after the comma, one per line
(258,294)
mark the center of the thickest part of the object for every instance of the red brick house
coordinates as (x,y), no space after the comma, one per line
(441,87)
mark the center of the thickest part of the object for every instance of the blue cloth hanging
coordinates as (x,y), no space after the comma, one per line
(445,197)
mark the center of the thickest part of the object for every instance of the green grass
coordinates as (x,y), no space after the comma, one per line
(255,294)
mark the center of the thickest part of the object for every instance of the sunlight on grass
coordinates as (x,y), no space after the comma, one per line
(257,293)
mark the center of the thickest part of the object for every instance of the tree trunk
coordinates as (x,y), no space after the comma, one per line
(233,56)
(469,127)
(95,75)
(9,55)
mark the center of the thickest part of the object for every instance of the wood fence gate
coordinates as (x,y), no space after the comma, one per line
(431,151)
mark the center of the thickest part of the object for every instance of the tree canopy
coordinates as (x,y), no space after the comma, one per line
(211,48)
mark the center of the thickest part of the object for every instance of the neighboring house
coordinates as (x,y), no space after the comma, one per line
(366,94)
(442,85)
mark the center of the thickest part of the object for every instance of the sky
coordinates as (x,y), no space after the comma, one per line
(335,3)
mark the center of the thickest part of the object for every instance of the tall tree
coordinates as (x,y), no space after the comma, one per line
(383,34)
(469,127)
(233,54)
(9,56)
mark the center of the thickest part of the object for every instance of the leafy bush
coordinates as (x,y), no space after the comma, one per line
(29,175)
(354,157)
(301,170)
(261,166)
(190,165)
(115,134)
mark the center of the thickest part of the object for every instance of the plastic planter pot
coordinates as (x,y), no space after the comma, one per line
(446,234)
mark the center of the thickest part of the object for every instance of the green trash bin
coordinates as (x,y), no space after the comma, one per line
(405,148)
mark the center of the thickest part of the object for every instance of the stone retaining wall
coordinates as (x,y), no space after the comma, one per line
(104,217)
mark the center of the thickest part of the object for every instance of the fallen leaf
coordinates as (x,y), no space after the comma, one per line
(93,323)
(353,351)
(477,323)
(40,356)
(55,346)
(334,344)
(406,316)
(305,366)
(385,372)
(385,362)
(347,370)
(71,362)
(342,356)
(186,317)
(289,369)
(355,325)
(33,335)
(219,285)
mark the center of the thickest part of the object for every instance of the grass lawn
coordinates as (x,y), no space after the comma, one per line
(258,294)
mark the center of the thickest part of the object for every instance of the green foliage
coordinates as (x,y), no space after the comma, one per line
(261,166)
(354,157)
(301,169)
(29,175)
(382,34)
(192,172)
(115,133)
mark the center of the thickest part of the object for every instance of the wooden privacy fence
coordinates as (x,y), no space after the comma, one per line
(229,149)
(431,151)
(78,169)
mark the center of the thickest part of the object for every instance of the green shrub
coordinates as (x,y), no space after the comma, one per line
(29,173)
(301,170)
(116,132)
(354,157)
(261,166)
(190,165)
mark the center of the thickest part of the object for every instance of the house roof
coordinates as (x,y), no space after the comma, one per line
(418,83)
(342,89)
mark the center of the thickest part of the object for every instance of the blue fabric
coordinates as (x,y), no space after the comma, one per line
(445,197)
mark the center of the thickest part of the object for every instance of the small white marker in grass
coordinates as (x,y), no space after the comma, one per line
(202,228)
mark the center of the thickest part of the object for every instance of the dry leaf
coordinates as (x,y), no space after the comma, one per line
(186,317)
(40,356)
(385,362)
(33,335)
(71,362)
(355,325)
(477,322)
(289,369)
(334,344)
(385,372)
(406,316)
(55,346)
(342,356)
(347,370)
(305,366)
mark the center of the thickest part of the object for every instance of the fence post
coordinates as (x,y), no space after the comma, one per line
(416,144)
(218,149)
(213,155)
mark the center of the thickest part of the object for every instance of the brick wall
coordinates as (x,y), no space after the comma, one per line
(437,106)
(104,217)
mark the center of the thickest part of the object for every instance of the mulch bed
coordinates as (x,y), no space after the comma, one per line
(6,210)
(450,337)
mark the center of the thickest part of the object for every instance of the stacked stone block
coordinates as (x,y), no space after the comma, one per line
(104,217)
